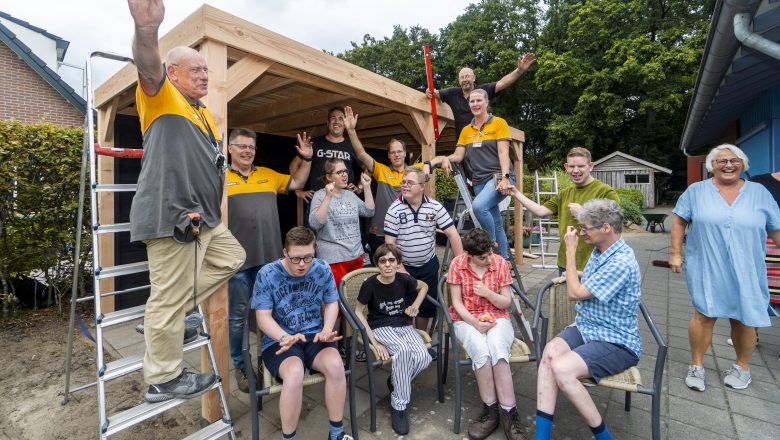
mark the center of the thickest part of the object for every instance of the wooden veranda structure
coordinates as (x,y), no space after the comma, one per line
(272,84)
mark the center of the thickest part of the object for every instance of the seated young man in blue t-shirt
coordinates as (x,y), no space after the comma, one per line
(288,297)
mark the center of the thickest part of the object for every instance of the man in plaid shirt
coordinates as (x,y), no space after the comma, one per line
(604,339)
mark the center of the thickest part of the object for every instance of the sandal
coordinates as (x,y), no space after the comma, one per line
(360,355)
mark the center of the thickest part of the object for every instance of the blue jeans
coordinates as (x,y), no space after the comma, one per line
(485,206)
(240,289)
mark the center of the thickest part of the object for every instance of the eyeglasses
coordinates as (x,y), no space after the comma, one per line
(390,260)
(341,172)
(585,229)
(732,161)
(244,147)
(195,70)
(297,260)
(410,183)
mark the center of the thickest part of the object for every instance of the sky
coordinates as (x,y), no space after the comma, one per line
(106,25)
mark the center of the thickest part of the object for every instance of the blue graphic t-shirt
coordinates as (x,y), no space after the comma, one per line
(295,302)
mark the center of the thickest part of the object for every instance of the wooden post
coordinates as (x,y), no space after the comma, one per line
(517,147)
(424,125)
(216,306)
(105,176)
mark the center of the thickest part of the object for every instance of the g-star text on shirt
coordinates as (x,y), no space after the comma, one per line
(334,154)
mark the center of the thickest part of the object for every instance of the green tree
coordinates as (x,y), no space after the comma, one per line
(619,74)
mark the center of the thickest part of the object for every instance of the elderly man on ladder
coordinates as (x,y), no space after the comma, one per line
(182,176)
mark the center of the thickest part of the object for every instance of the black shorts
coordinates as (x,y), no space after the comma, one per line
(602,358)
(306,352)
(429,274)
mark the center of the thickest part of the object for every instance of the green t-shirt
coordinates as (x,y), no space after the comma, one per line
(560,205)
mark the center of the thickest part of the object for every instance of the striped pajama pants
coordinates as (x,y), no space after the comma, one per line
(409,356)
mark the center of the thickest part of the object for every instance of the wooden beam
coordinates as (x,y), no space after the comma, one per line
(216,306)
(291,105)
(243,73)
(249,37)
(105,176)
(267,84)
(106,119)
(517,147)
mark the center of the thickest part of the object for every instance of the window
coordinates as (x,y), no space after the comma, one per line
(637,178)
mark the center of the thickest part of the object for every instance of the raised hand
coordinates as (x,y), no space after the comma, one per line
(304,146)
(365,179)
(330,190)
(147,13)
(350,118)
(525,62)
(571,237)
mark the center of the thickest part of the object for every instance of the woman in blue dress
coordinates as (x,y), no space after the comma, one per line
(729,219)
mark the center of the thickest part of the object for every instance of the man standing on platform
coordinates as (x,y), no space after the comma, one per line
(181,180)
(567,204)
(458,97)
(253,218)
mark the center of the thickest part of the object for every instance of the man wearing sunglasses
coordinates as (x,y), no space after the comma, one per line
(182,175)
(288,298)
(253,218)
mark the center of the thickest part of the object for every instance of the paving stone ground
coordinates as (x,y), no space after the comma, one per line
(718,413)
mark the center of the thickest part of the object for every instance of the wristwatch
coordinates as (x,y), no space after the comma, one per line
(304,158)
(430,167)
(506,176)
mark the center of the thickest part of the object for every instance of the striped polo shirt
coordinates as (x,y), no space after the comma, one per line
(415,231)
(388,190)
(178,171)
(253,217)
(481,145)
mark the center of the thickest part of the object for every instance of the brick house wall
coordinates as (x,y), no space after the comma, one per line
(26,97)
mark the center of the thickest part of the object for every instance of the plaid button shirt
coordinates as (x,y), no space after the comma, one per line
(496,277)
(614,280)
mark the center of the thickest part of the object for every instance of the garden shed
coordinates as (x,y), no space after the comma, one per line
(276,86)
(621,170)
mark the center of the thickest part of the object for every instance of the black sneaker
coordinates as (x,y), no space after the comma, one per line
(186,386)
(400,421)
(342,436)
(191,324)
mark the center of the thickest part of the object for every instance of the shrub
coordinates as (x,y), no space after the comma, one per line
(446,188)
(631,211)
(634,195)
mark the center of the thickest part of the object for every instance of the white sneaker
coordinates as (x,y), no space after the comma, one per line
(695,378)
(737,378)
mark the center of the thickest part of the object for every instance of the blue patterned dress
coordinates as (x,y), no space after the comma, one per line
(725,249)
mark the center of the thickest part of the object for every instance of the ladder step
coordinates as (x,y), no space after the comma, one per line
(138,414)
(134,363)
(121,316)
(212,432)
(115,187)
(109,229)
(122,269)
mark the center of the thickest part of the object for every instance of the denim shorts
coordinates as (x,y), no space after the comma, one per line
(602,358)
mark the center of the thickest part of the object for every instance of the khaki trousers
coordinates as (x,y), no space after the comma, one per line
(172,275)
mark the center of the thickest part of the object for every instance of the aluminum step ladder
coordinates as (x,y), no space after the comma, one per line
(545,186)
(107,371)
(461,212)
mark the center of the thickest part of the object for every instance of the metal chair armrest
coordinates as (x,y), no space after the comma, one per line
(660,358)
